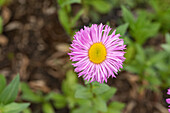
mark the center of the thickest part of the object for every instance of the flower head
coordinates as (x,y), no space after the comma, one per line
(97,55)
(168,99)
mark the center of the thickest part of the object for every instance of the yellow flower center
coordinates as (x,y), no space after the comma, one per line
(97,53)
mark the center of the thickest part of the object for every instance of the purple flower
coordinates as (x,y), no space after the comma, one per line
(96,54)
(168,91)
(168,99)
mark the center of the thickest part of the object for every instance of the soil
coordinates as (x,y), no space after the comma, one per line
(35,45)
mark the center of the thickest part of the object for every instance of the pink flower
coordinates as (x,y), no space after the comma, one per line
(96,55)
(168,99)
(168,91)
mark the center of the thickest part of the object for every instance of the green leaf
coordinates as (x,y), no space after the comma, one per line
(127,16)
(47,108)
(122,29)
(64,20)
(166,47)
(69,85)
(153,80)
(29,95)
(9,94)
(75,19)
(108,94)
(157,57)
(84,102)
(100,104)
(83,93)
(143,29)
(2,83)
(99,88)
(130,53)
(140,54)
(68,2)
(1,24)
(108,23)
(101,6)
(15,107)
(116,107)
(132,68)
(59,101)
(84,109)
(167,38)
(27,110)
(2,2)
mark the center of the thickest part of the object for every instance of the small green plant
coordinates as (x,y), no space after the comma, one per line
(78,98)
(90,8)
(37,98)
(8,95)
(164,66)
(91,98)
(65,16)
(95,97)
(141,28)
(161,13)
(67,97)
(147,63)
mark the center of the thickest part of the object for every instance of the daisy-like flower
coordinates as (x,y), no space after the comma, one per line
(96,54)
(168,99)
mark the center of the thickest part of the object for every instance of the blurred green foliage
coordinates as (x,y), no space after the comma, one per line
(8,95)
(1,25)
(65,15)
(37,98)
(91,98)
(161,13)
(141,28)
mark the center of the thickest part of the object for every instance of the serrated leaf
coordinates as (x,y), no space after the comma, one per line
(144,29)
(84,102)
(47,108)
(29,95)
(9,94)
(69,85)
(99,88)
(2,83)
(122,29)
(100,104)
(140,54)
(127,16)
(101,6)
(108,94)
(83,93)
(116,107)
(59,101)
(157,57)
(15,107)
